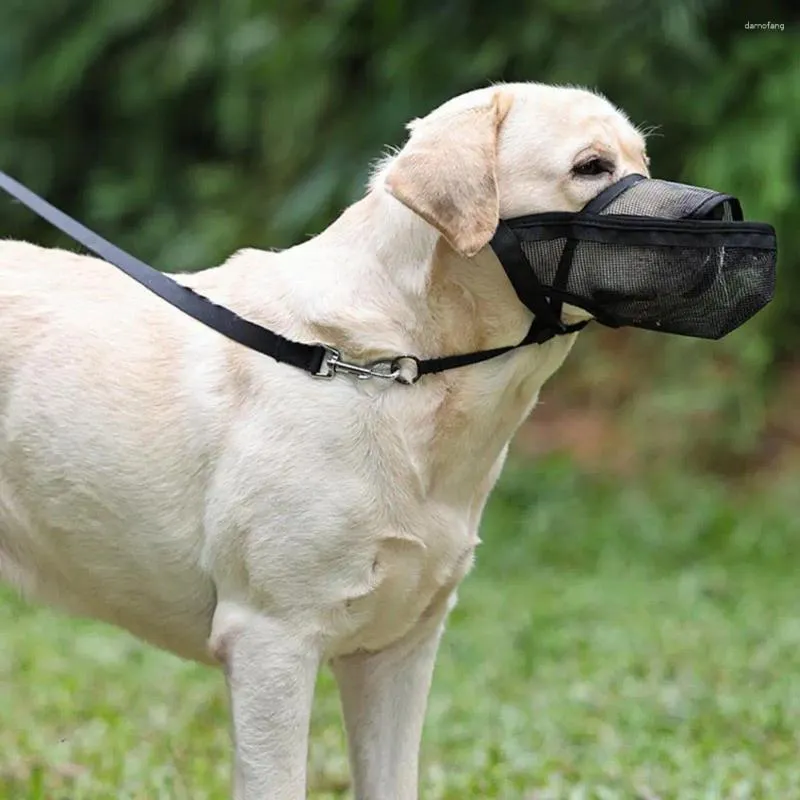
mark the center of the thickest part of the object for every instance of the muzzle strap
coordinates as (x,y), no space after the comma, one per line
(529,289)
(537,334)
(609,195)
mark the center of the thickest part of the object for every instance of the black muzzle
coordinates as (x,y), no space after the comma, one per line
(644,253)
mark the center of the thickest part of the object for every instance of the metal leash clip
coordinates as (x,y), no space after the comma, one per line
(387,369)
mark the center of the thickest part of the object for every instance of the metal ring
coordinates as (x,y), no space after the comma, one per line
(397,366)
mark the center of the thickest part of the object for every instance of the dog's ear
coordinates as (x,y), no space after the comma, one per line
(447,173)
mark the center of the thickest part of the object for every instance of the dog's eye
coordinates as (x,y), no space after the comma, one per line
(594,166)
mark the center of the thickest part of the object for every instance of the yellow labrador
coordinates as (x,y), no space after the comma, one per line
(233,510)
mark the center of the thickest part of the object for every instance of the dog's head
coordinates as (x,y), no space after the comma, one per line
(507,151)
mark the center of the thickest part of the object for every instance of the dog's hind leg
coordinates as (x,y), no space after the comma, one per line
(384,697)
(271,669)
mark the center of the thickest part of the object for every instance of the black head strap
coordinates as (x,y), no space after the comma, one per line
(537,334)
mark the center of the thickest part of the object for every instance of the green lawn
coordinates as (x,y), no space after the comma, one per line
(615,641)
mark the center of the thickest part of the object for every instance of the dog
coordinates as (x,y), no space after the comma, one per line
(233,510)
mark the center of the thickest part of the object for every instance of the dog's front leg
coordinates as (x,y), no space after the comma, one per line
(271,668)
(384,696)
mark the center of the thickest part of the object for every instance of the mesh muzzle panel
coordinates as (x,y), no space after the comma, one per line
(703,292)
(660,255)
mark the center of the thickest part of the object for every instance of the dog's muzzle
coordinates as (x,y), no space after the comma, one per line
(644,253)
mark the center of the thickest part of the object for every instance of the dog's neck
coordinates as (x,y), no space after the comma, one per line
(434,302)
(400,241)
(444,302)
(381,282)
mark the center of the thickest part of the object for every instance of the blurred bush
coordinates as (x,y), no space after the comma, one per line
(184,131)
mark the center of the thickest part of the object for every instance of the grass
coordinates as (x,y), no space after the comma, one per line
(615,641)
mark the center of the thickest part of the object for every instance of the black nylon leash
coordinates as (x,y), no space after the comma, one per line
(321,361)
(304,356)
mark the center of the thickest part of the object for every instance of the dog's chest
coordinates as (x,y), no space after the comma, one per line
(427,485)
(410,576)
(413,564)
(389,527)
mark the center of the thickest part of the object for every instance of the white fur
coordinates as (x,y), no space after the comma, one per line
(231,509)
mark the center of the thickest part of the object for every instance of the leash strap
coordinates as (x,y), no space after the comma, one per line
(311,358)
